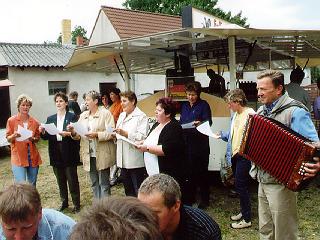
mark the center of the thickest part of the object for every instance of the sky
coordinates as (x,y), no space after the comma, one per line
(37,21)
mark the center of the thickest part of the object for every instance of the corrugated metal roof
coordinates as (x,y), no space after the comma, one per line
(131,23)
(35,55)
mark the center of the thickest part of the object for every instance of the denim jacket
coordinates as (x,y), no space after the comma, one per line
(53,225)
(227,137)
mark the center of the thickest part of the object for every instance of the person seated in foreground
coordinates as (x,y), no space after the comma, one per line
(22,216)
(176,221)
(117,218)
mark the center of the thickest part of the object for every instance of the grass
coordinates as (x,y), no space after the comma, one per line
(221,206)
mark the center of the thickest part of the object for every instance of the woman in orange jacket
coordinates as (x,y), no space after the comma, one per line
(25,158)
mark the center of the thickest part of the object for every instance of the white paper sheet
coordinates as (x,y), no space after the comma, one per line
(205,129)
(120,137)
(151,163)
(110,129)
(50,128)
(80,129)
(25,134)
(188,125)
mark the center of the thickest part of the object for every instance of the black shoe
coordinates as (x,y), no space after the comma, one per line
(63,207)
(233,194)
(76,209)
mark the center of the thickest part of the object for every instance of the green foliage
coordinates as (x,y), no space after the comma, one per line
(315,74)
(173,7)
(77,31)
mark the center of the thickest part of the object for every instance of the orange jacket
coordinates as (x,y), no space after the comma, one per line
(19,150)
(116,109)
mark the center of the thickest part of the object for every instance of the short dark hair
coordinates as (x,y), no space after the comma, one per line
(62,95)
(130,95)
(169,106)
(194,86)
(164,184)
(277,78)
(297,75)
(116,91)
(117,218)
(73,94)
(19,201)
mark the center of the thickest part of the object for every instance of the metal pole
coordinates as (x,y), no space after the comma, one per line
(232,61)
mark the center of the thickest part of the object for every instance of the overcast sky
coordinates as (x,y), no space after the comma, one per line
(36,21)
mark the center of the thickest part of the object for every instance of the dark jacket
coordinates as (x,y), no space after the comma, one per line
(70,148)
(171,139)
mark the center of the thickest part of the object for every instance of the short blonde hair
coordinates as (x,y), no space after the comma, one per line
(236,95)
(23,98)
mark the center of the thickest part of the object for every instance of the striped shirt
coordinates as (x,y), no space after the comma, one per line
(195,224)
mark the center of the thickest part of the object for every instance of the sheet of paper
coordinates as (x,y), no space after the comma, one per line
(205,129)
(120,137)
(187,125)
(50,128)
(80,129)
(110,129)
(151,163)
(25,134)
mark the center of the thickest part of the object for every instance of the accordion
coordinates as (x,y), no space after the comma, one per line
(276,149)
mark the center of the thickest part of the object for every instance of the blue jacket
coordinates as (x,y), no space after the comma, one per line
(227,137)
(53,225)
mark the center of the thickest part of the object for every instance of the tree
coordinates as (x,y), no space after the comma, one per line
(77,31)
(173,7)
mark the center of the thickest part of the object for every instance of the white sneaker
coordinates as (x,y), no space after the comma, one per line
(241,224)
(236,217)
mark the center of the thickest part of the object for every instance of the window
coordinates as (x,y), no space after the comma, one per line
(58,86)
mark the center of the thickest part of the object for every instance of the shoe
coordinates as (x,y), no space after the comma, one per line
(233,194)
(241,224)
(76,209)
(63,207)
(236,217)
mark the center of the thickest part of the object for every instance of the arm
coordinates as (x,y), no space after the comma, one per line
(11,135)
(108,122)
(141,130)
(206,113)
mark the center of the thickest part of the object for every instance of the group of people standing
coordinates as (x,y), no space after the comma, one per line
(180,153)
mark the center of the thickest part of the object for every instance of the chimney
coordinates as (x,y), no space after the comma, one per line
(66,31)
(80,41)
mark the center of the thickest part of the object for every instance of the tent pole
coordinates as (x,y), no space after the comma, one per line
(232,61)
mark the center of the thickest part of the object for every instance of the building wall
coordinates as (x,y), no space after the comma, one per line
(103,31)
(34,82)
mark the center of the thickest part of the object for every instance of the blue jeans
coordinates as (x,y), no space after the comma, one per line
(242,185)
(23,174)
(100,183)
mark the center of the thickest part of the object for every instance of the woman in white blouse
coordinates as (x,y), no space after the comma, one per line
(133,125)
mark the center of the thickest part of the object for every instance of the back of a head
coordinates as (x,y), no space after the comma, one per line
(73,94)
(297,75)
(119,218)
(19,201)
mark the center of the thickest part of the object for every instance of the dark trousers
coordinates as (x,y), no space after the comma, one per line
(132,179)
(68,176)
(242,178)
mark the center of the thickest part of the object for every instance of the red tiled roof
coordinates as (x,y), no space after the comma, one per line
(131,23)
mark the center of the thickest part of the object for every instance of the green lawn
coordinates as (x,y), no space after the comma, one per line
(221,206)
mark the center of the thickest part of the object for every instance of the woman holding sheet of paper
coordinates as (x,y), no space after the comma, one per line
(97,149)
(63,152)
(25,158)
(196,111)
(133,125)
(164,143)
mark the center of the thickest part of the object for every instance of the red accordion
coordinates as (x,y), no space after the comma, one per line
(276,149)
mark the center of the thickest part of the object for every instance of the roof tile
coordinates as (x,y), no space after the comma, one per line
(131,23)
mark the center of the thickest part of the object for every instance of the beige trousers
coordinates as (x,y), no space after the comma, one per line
(278,219)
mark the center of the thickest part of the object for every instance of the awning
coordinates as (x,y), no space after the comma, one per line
(5,83)
(155,53)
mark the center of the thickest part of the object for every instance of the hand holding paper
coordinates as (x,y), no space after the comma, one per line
(80,129)
(50,128)
(25,134)
(205,129)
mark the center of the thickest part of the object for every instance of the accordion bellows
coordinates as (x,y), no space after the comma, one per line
(276,149)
